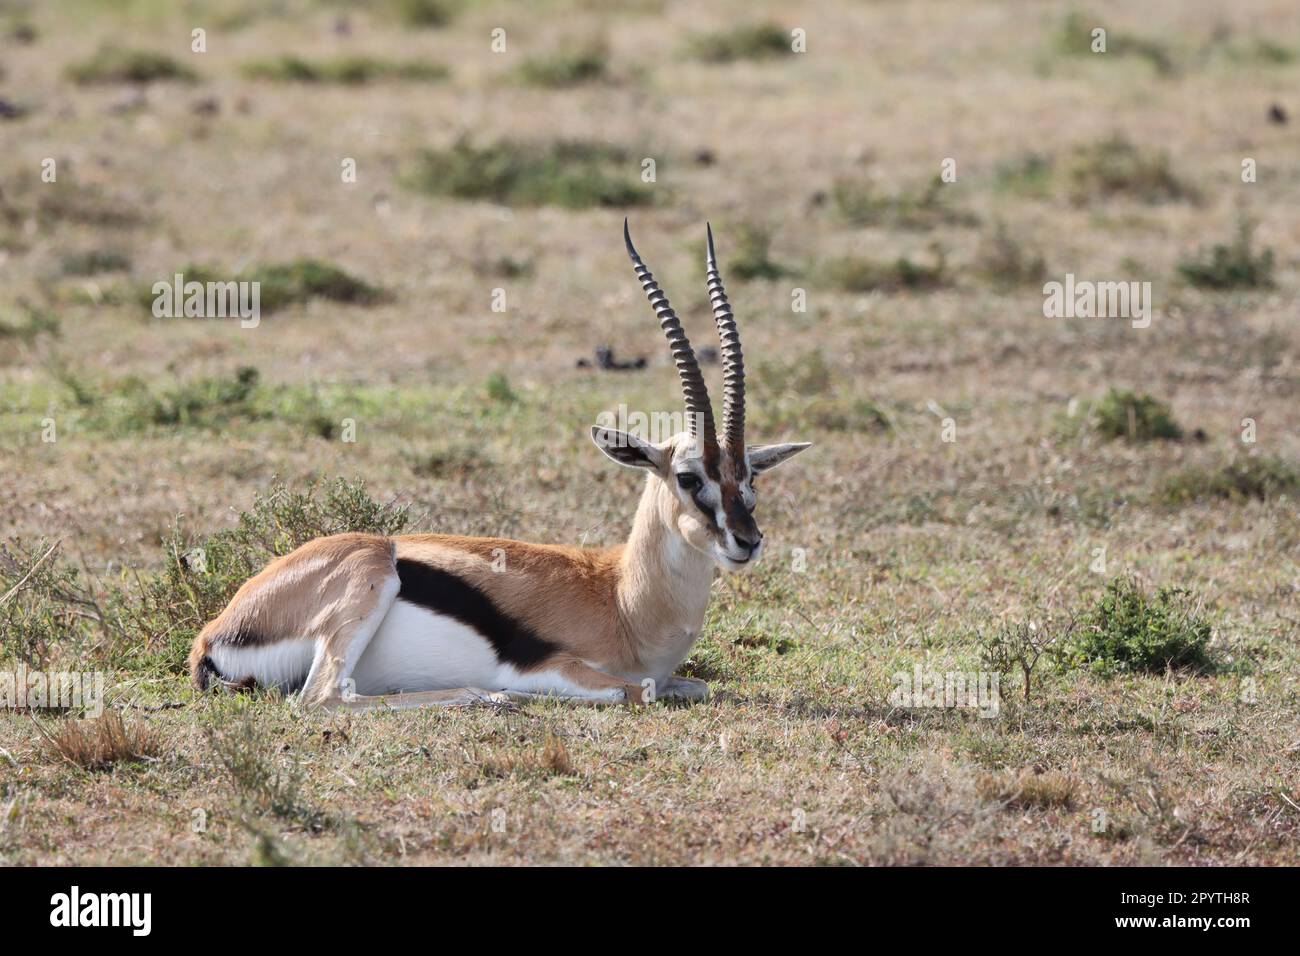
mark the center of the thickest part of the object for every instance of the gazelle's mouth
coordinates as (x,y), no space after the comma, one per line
(732,563)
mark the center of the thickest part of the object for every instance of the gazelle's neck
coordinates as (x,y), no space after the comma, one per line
(664,583)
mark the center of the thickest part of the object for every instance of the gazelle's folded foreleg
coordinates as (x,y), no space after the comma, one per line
(568,680)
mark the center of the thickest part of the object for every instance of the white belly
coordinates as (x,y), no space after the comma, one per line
(415,649)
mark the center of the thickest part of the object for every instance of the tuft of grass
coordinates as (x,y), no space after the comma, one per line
(566,68)
(210,402)
(570,173)
(1030,175)
(552,760)
(1074,38)
(458,459)
(505,267)
(750,41)
(28,330)
(83,205)
(499,389)
(1131,631)
(1002,261)
(1245,478)
(860,204)
(425,13)
(94,262)
(1234,265)
(1029,789)
(347,71)
(100,744)
(853,274)
(1134,417)
(288,283)
(806,374)
(1117,168)
(112,64)
(285,284)
(751,256)
(1265,52)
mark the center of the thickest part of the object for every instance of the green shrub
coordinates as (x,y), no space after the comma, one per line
(288,283)
(752,41)
(93,262)
(1133,417)
(1244,478)
(348,71)
(567,67)
(1231,266)
(111,64)
(285,284)
(1116,167)
(571,174)
(1130,631)
(855,274)
(425,13)
(85,205)
(48,607)
(1074,38)
(211,402)
(1030,174)
(450,459)
(751,257)
(1004,263)
(859,203)
(499,389)
(36,324)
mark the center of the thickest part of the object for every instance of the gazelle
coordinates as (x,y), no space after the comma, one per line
(366,621)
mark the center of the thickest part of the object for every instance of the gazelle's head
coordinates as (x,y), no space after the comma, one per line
(709,483)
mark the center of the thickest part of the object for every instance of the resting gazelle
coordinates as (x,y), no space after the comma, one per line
(365,621)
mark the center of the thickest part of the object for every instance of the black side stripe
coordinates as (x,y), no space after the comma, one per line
(444,593)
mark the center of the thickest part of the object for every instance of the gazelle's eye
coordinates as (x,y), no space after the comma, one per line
(688,481)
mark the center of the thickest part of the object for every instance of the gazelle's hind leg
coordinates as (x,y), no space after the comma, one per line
(304,621)
(338,650)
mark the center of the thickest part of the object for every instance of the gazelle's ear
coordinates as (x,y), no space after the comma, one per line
(766,457)
(627,449)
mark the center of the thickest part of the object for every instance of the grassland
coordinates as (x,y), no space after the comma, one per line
(1097,517)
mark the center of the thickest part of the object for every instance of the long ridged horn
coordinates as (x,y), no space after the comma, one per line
(733,362)
(694,391)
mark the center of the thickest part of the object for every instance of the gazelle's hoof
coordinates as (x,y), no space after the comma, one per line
(684,688)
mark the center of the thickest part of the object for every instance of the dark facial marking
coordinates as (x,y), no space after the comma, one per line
(444,593)
(739,518)
(712,459)
(709,514)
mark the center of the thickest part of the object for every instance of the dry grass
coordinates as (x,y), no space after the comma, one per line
(101,743)
(1030,789)
(892,547)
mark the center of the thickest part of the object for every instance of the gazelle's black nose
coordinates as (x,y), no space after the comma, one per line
(749,544)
